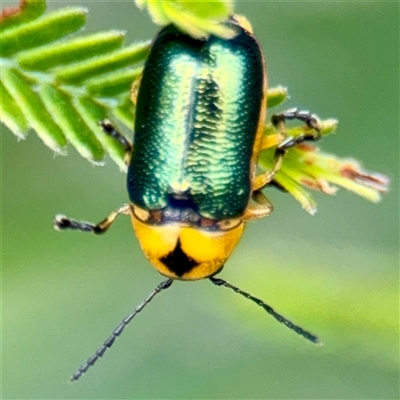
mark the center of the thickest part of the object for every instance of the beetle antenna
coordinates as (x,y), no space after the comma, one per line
(300,331)
(118,330)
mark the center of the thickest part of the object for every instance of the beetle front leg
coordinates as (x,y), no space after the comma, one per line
(110,130)
(61,222)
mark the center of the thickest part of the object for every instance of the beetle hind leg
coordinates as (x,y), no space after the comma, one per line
(110,130)
(62,223)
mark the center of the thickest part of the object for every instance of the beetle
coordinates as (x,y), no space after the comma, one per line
(192,179)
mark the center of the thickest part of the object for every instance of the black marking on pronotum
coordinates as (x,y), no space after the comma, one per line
(178,262)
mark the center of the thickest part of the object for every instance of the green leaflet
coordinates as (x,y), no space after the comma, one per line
(102,64)
(43,30)
(25,12)
(70,51)
(11,113)
(31,105)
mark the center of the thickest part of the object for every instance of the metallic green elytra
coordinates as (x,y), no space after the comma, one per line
(198,111)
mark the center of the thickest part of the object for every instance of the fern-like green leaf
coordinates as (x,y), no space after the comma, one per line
(61,84)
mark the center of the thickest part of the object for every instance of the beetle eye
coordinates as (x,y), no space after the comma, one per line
(227,224)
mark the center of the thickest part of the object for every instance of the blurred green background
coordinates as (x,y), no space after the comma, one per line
(335,273)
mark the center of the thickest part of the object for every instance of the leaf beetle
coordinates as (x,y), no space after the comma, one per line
(192,178)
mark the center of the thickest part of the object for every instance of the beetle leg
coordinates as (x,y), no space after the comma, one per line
(110,130)
(269,141)
(61,222)
(284,143)
(260,210)
(262,180)
(311,121)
